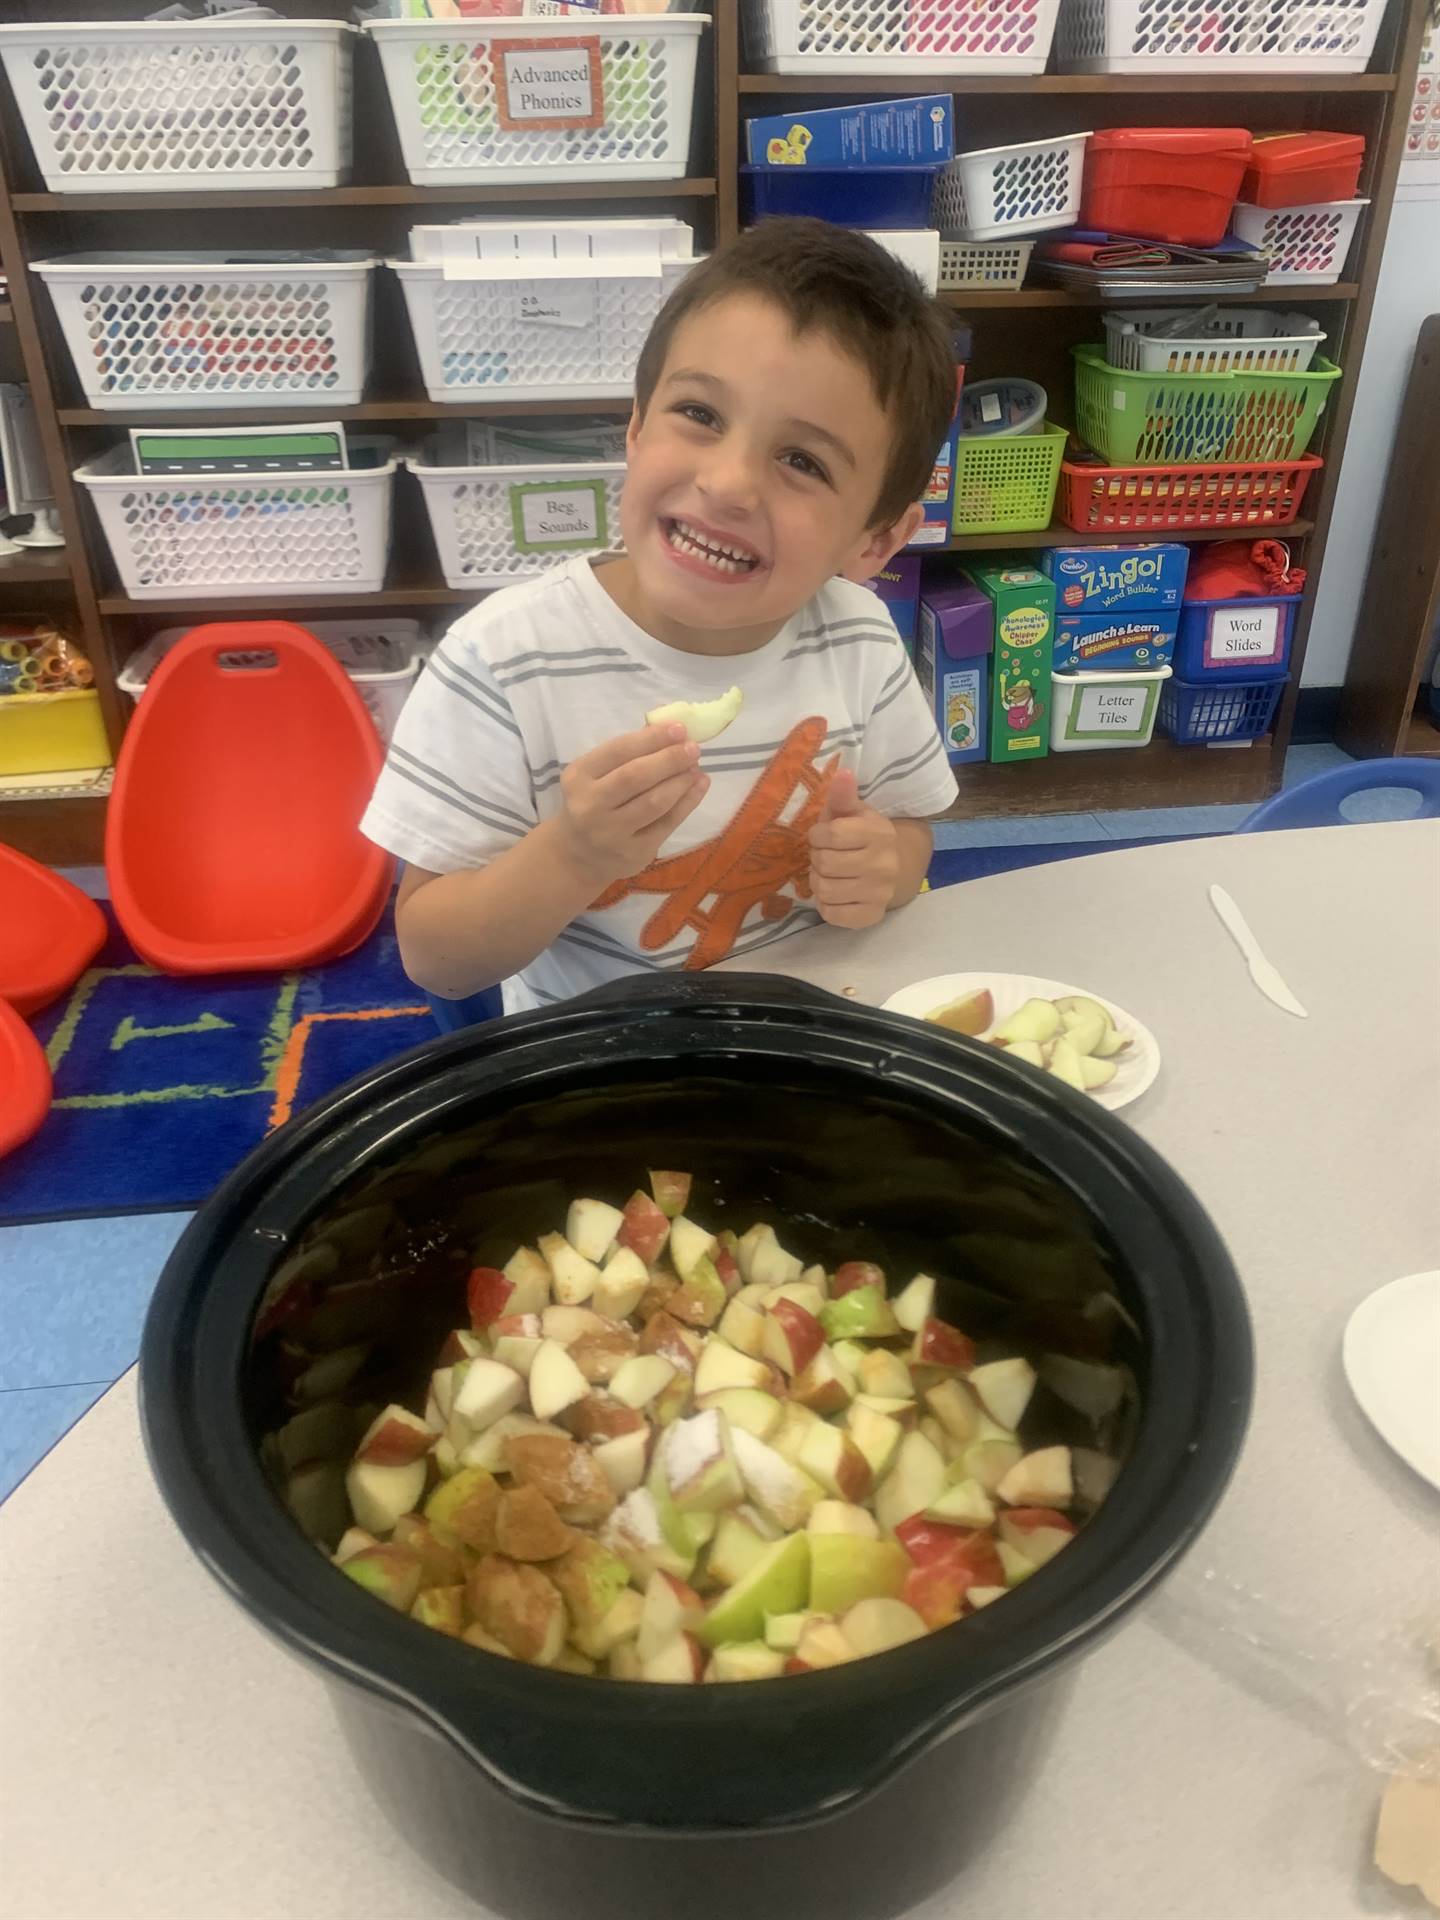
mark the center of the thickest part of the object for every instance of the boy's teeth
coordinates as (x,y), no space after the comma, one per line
(725,559)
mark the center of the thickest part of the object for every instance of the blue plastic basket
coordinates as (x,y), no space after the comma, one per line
(1193,716)
(847,196)
(1209,650)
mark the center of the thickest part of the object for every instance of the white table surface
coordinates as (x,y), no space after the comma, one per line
(160,1759)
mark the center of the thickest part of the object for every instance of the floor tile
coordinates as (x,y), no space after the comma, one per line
(32,1421)
(1303,763)
(1024,831)
(90,880)
(73,1295)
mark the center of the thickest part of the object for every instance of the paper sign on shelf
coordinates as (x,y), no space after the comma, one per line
(1243,633)
(555,303)
(545,84)
(569,514)
(1110,711)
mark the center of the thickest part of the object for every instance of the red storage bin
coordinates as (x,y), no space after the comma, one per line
(1301,169)
(1164,183)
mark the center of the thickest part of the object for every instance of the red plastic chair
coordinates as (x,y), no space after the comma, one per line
(49,933)
(24,1081)
(232,842)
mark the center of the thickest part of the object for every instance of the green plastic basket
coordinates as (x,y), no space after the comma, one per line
(1007,484)
(1196,419)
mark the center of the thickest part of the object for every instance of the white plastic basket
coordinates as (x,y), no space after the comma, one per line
(862,37)
(152,105)
(499,101)
(1306,246)
(998,192)
(381,657)
(233,535)
(541,310)
(1217,36)
(495,525)
(983,263)
(1231,340)
(224,330)
(1098,712)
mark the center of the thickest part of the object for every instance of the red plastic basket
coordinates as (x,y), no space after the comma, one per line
(1099,499)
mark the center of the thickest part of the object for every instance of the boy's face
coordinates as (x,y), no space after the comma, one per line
(753,473)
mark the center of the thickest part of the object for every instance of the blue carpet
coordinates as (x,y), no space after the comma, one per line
(162,1086)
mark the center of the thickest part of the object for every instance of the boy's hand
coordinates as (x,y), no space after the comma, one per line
(854,858)
(624,799)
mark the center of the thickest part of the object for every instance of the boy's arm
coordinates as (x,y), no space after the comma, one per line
(461,932)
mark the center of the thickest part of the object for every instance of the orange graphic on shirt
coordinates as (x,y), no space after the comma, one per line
(714,887)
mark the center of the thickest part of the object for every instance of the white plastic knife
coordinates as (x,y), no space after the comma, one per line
(1265,975)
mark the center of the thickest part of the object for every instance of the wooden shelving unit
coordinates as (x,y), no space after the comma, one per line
(1039,326)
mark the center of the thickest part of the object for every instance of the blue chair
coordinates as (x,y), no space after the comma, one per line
(1316,803)
(452,1015)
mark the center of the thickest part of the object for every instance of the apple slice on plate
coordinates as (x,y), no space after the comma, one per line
(1076,1012)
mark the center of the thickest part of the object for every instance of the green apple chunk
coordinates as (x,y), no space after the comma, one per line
(746,1407)
(391,1573)
(615,1629)
(862,1314)
(751,1660)
(591,1579)
(844,1568)
(776,1583)
(1037,1020)
(783,1630)
(988,1461)
(963,1504)
(700,1464)
(734,1550)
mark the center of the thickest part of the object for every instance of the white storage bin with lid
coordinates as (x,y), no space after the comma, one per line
(1217,36)
(537,309)
(496,525)
(381,658)
(150,106)
(231,536)
(1306,246)
(1201,340)
(983,263)
(1094,711)
(999,192)
(863,37)
(498,102)
(170,330)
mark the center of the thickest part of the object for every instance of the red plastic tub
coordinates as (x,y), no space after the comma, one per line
(1164,183)
(1302,169)
(1095,498)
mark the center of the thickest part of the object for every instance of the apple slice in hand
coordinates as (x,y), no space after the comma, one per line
(702,719)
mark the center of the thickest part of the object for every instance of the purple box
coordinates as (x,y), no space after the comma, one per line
(898,585)
(953,646)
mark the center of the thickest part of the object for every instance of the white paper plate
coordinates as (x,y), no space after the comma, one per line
(1136,1068)
(1392,1361)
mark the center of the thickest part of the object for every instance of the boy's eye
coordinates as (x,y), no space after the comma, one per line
(804,463)
(697,411)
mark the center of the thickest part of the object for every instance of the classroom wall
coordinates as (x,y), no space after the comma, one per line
(1408,290)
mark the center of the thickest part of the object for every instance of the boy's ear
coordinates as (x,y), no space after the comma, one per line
(632,432)
(881,543)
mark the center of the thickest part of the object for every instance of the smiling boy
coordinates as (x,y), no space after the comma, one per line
(789,401)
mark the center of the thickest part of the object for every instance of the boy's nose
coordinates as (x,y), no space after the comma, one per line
(730,479)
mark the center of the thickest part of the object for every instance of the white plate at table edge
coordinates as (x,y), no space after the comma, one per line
(1136,1068)
(1401,1409)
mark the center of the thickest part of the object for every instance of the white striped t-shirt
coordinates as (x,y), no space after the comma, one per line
(538,674)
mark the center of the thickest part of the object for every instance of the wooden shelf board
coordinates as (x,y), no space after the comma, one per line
(964,299)
(35,566)
(56,831)
(691,188)
(1160,775)
(1061,83)
(7,314)
(1421,736)
(317,407)
(293,603)
(1058,535)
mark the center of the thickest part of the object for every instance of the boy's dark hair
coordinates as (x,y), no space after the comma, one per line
(837,281)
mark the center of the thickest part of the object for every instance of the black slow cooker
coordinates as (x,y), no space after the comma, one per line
(324,1273)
